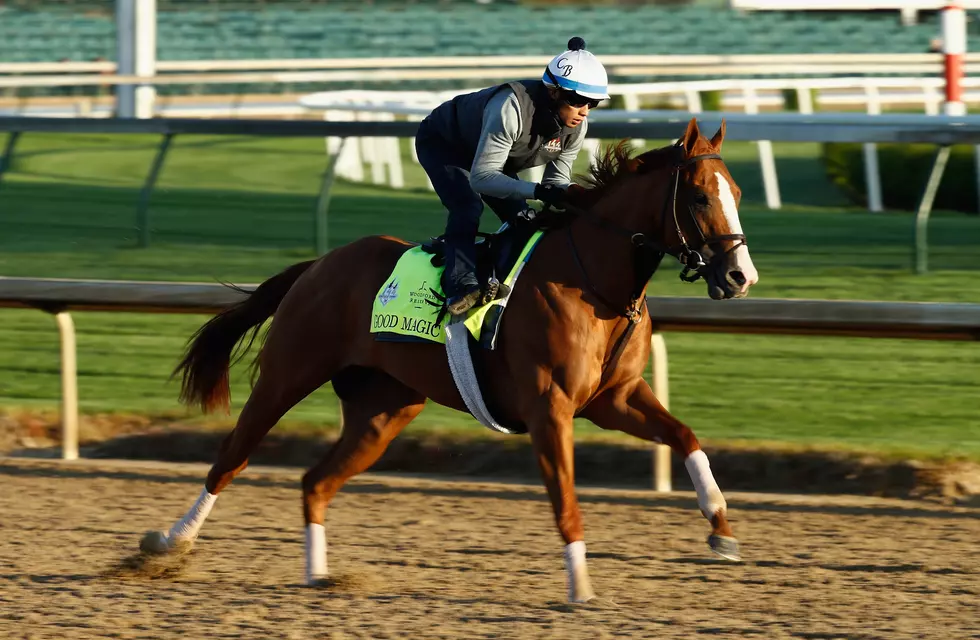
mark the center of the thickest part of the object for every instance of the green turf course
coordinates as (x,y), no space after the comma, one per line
(239,209)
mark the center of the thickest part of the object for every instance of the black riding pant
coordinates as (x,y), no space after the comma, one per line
(448,170)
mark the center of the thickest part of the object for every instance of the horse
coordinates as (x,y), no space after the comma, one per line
(564,348)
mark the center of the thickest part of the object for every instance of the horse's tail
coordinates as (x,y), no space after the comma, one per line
(207,358)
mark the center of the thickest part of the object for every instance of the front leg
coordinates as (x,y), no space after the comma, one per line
(632,408)
(552,438)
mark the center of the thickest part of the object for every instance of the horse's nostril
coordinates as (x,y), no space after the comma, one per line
(737,277)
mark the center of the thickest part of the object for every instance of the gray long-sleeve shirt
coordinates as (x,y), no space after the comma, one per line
(501,129)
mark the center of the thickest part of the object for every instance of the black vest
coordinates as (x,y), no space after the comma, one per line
(459,122)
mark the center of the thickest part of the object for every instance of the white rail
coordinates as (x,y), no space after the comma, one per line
(681,64)
(751,95)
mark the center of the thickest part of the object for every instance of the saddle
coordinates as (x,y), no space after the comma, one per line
(496,254)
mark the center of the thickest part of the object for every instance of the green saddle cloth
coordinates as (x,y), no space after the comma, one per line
(408,304)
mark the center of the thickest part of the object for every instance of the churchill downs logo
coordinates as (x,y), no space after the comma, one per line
(390,293)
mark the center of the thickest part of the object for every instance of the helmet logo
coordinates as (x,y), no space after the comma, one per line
(564,66)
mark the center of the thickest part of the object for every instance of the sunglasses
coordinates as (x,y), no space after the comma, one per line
(575,100)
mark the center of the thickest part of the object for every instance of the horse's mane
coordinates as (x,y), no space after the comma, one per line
(618,162)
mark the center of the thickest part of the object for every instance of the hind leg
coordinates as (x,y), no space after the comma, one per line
(274,394)
(374,414)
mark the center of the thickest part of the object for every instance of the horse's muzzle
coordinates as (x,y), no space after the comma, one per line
(728,281)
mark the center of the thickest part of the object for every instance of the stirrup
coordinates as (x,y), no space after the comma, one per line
(495,291)
(490,293)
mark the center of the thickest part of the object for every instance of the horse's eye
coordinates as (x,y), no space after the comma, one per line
(701,199)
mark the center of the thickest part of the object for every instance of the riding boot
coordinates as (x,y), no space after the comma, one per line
(459,279)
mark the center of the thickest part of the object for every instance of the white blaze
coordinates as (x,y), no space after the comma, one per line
(743,261)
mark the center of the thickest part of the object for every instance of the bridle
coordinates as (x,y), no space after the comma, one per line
(647,252)
(692,259)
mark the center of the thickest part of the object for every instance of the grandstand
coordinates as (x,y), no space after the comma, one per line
(208,30)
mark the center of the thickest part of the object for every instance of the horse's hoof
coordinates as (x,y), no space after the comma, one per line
(155,542)
(581,593)
(725,546)
(582,599)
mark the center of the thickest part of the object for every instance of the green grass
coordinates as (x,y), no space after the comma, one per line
(239,209)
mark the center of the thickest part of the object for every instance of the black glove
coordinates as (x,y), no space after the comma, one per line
(550,194)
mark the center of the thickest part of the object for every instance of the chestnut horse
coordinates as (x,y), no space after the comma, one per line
(564,349)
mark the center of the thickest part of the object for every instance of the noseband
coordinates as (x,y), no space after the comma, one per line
(647,252)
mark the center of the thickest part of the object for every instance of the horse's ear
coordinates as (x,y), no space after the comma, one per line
(719,137)
(691,135)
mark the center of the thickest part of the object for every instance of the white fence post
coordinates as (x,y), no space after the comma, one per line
(693,98)
(136,51)
(767,160)
(631,102)
(804,98)
(661,389)
(69,387)
(872,177)
(931,100)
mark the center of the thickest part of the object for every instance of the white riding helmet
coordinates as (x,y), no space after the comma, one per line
(579,71)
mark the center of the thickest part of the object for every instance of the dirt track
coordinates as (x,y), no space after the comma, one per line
(423,558)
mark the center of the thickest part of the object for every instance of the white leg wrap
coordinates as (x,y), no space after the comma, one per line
(316,553)
(188,527)
(579,585)
(709,495)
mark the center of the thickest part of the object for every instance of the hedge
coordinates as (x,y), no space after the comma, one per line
(904,169)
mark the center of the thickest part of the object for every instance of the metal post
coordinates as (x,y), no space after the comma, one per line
(320,235)
(925,207)
(145,47)
(8,152)
(767,160)
(661,455)
(125,57)
(872,176)
(69,387)
(954,37)
(136,45)
(143,209)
